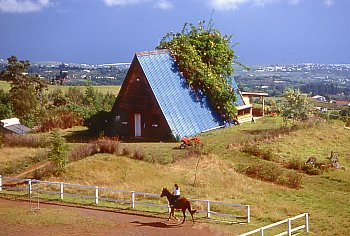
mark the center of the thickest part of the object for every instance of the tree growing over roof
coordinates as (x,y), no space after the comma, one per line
(205,58)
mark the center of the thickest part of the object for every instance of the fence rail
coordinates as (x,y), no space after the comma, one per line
(131,198)
(290,229)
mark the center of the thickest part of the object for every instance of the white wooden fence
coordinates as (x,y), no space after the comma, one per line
(288,221)
(32,186)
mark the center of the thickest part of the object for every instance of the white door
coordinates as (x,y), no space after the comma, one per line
(137,124)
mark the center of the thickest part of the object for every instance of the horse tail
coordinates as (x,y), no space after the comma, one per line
(192,211)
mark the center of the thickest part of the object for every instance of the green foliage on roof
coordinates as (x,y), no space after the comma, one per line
(205,58)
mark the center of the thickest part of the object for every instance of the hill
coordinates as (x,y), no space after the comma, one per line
(113,89)
(220,175)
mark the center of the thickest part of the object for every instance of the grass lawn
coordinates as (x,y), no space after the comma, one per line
(215,176)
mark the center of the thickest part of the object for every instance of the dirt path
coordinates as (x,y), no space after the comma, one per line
(114,223)
(31,169)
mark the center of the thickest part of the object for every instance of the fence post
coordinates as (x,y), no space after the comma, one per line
(30,187)
(248,214)
(0,183)
(208,209)
(307,222)
(289,230)
(96,195)
(61,190)
(132,199)
(261,232)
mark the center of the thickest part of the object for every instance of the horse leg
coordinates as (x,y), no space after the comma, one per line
(171,213)
(191,214)
(174,214)
(171,210)
(191,211)
(184,213)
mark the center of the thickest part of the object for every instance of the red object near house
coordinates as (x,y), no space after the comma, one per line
(186,142)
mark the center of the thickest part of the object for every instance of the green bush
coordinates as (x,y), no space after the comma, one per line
(347,123)
(267,172)
(292,180)
(295,164)
(255,150)
(311,169)
(271,172)
(58,152)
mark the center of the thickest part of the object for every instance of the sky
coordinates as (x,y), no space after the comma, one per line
(110,31)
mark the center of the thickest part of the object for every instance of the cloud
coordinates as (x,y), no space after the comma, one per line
(163,4)
(295,2)
(328,3)
(235,4)
(23,6)
(121,2)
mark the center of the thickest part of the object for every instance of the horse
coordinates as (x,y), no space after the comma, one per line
(181,203)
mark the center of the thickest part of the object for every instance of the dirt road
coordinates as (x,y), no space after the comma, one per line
(108,223)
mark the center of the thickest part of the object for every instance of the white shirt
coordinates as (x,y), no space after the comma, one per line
(177,192)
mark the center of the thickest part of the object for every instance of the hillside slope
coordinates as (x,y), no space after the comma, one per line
(219,175)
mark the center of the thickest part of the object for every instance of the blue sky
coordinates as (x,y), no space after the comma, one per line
(108,31)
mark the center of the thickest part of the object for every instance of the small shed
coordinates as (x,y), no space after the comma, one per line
(155,101)
(247,98)
(13,126)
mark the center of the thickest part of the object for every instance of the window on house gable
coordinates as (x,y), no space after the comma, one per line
(155,120)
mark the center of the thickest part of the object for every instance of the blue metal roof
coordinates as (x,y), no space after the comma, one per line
(17,129)
(186,112)
(239,101)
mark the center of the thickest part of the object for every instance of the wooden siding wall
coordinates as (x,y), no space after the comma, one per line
(136,96)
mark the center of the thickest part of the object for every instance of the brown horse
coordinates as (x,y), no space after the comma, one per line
(181,203)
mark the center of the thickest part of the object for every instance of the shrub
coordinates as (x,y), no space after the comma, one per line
(272,173)
(138,154)
(28,140)
(292,180)
(60,119)
(255,150)
(101,146)
(311,169)
(58,152)
(108,146)
(82,152)
(126,151)
(295,164)
(347,124)
(267,172)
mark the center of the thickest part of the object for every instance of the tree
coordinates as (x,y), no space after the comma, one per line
(5,105)
(296,105)
(205,58)
(344,114)
(26,89)
(58,153)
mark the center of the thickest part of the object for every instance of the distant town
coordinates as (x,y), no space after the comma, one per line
(329,80)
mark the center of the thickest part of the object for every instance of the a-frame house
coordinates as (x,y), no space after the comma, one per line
(155,102)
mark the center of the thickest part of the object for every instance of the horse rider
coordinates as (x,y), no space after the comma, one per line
(176,193)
